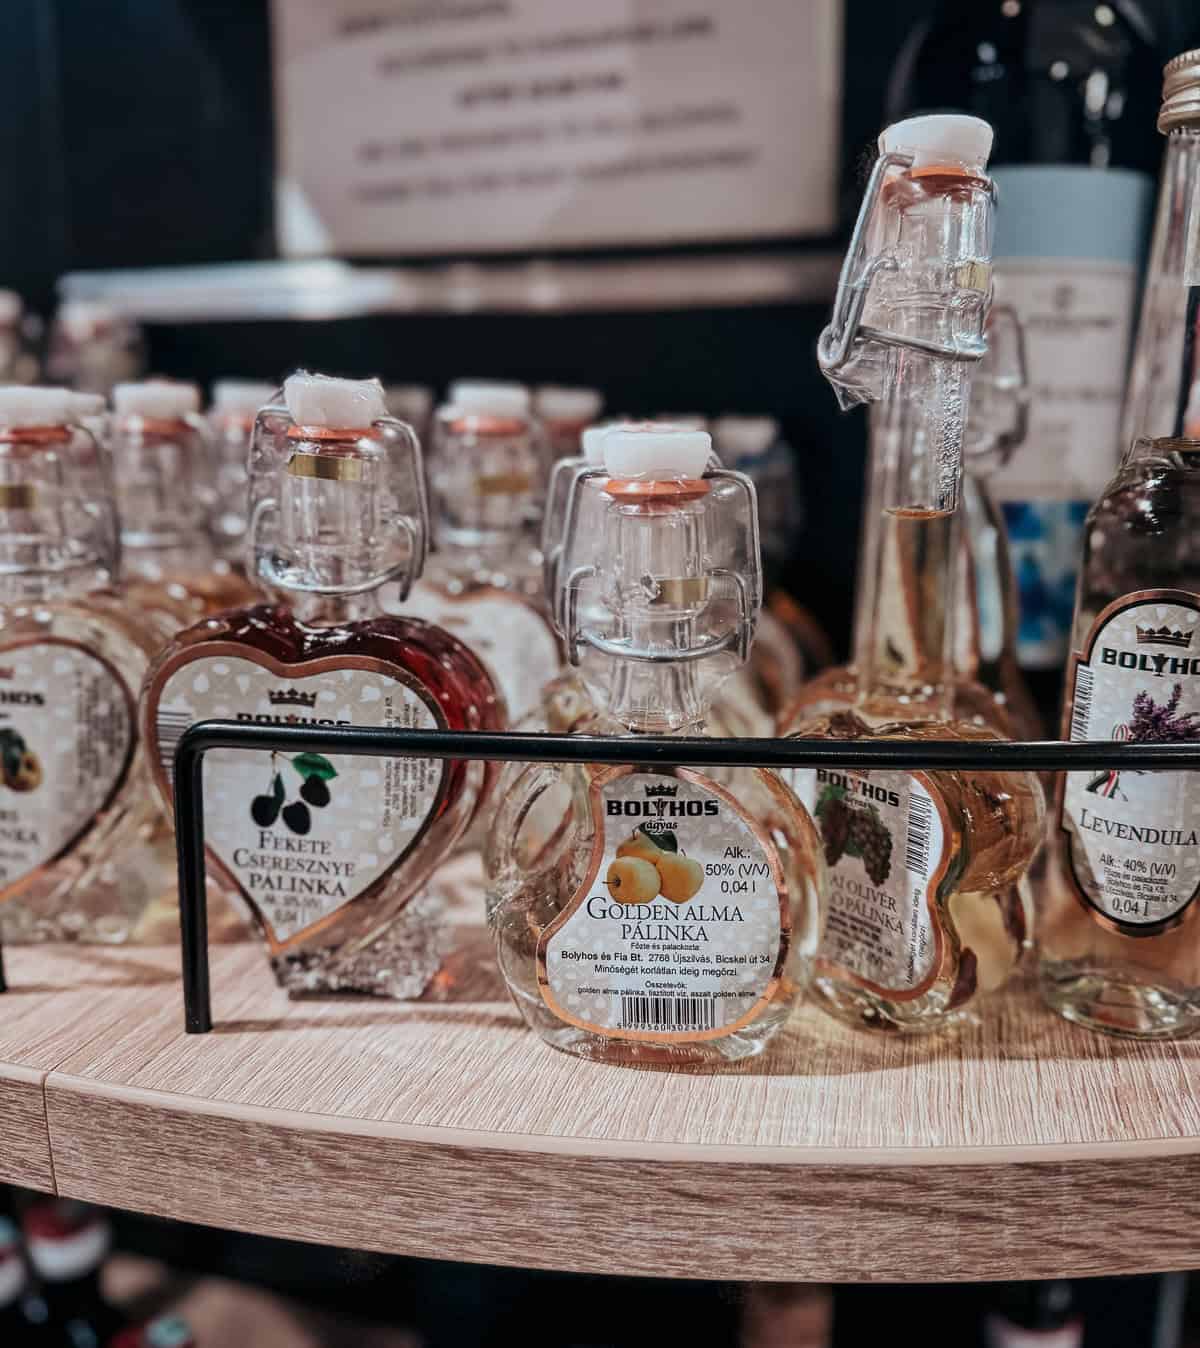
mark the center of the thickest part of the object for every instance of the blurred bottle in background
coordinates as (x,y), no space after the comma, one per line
(18,330)
(1070,87)
(92,347)
(68,1243)
(235,404)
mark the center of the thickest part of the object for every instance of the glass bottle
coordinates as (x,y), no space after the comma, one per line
(924,908)
(330,855)
(1069,86)
(93,347)
(484,582)
(986,591)
(412,404)
(68,1243)
(162,468)
(1116,922)
(235,404)
(84,856)
(18,359)
(666,915)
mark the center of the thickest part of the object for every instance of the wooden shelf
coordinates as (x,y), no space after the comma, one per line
(1023,1147)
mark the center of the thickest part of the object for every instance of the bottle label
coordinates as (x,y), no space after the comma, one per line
(680,930)
(509,635)
(302,835)
(1133,838)
(885,839)
(1002,1333)
(66,742)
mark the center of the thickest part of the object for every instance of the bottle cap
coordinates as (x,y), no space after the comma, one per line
(21,405)
(592,443)
(1181,92)
(941,138)
(745,437)
(158,400)
(470,397)
(11,308)
(656,452)
(87,404)
(320,400)
(241,397)
(552,403)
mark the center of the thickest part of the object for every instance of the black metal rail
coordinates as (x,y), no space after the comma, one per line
(640,751)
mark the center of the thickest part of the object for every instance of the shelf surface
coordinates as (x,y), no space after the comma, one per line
(1020,1147)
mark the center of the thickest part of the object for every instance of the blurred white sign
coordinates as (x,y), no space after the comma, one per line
(469,126)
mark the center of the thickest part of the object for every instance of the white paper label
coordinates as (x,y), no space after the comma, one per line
(1134,837)
(680,931)
(511,638)
(302,834)
(66,736)
(1076,315)
(452,128)
(884,843)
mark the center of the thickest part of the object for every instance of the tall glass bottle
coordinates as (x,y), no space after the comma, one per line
(666,915)
(484,581)
(1117,947)
(235,404)
(161,460)
(83,855)
(1069,87)
(330,855)
(564,414)
(924,909)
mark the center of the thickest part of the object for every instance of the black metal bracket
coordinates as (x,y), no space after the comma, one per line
(639,751)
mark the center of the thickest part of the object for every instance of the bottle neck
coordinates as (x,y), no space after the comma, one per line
(163,494)
(904,617)
(486,481)
(1164,366)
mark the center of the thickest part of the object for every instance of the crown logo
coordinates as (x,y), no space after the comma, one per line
(1163,636)
(291,697)
(661,791)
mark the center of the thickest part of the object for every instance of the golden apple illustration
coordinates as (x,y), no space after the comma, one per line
(632,880)
(681,877)
(640,845)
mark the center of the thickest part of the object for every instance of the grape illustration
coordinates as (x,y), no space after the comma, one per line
(297,817)
(835,816)
(871,841)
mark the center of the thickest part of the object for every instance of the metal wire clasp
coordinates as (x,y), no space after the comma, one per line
(846,328)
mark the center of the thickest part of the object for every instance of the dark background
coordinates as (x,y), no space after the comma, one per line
(140,134)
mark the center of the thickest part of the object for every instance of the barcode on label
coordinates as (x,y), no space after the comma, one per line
(1081,706)
(171,725)
(916,844)
(667,1013)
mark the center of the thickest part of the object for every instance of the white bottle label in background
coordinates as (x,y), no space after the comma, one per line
(66,740)
(1002,1333)
(681,931)
(1133,838)
(1069,245)
(302,834)
(884,845)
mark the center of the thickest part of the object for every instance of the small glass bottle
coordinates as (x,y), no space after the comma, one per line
(18,358)
(1116,922)
(235,404)
(331,855)
(163,471)
(663,915)
(92,347)
(484,582)
(924,906)
(412,404)
(84,856)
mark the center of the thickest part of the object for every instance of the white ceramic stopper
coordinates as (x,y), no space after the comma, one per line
(87,404)
(592,443)
(656,451)
(552,403)
(473,397)
(744,437)
(162,400)
(11,308)
(318,400)
(241,397)
(941,138)
(21,405)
